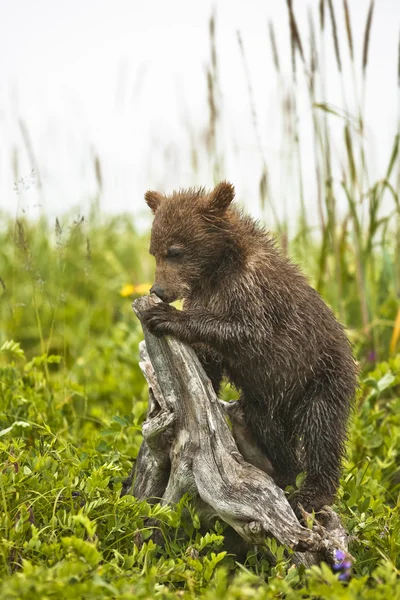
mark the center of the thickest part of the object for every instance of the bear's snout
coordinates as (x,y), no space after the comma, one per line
(158,291)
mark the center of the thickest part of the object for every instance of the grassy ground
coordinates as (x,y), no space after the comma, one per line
(72,400)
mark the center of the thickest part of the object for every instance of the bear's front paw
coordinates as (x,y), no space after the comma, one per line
(160,319)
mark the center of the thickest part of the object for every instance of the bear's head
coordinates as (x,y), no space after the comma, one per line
(190,235)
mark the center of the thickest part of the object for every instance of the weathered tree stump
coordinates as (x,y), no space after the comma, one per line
(188,447)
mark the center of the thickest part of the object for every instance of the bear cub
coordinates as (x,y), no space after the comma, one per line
(252,317)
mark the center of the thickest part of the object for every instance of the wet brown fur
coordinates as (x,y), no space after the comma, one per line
(252,316)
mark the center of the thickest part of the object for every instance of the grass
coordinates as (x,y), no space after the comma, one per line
(72,402)
(72,398)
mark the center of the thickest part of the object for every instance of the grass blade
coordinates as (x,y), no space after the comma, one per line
(335,36)
(348,29)
(367,34)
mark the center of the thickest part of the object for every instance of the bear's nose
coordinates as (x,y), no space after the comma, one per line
(158,291)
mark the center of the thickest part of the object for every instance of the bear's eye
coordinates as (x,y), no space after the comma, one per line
(174,252)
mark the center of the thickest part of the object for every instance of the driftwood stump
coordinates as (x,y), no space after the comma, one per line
(189,447)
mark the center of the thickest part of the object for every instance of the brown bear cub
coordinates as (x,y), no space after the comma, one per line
(252,317)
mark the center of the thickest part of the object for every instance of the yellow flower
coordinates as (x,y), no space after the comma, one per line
(140,289)
(396,333)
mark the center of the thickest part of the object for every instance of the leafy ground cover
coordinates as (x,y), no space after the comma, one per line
(72,400)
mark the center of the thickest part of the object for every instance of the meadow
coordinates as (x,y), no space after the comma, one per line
(72,397)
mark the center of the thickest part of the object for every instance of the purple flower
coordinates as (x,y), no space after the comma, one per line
(343,565)
(346,564)
(340,555)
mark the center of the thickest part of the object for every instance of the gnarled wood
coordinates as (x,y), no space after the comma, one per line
(188,447)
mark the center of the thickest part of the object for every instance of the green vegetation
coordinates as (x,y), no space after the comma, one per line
(72,401)
(72,398)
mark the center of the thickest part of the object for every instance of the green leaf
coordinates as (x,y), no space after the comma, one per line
(386,382)
(13,348)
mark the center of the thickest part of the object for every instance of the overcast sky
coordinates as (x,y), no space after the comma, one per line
(123,80)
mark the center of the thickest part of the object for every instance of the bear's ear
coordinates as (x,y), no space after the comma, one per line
(220,198)
(153,199)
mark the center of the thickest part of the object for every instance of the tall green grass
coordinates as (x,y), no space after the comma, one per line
(61,281)
(353,259)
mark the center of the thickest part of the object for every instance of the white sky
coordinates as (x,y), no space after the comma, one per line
(123,78)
